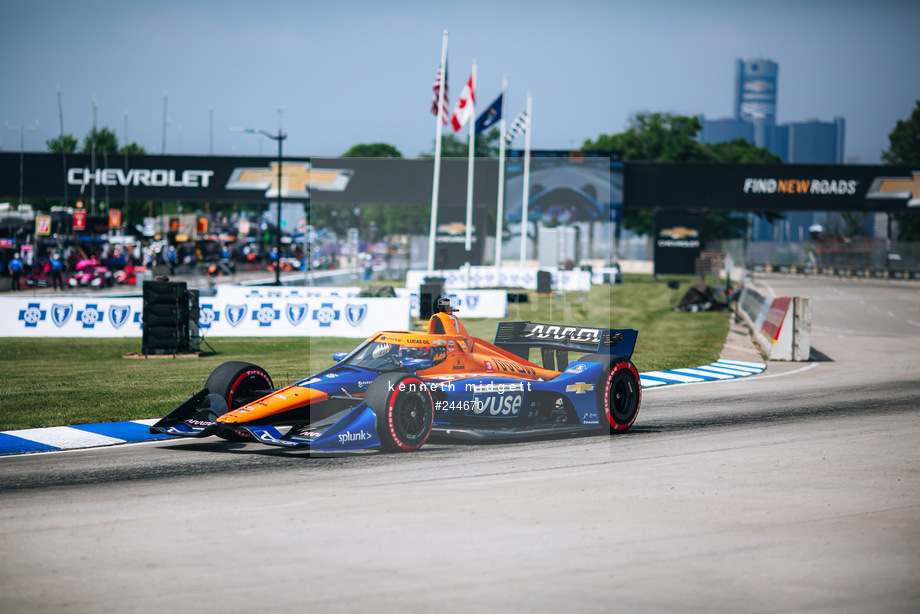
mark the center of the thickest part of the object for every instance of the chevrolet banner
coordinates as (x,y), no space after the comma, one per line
(187,178)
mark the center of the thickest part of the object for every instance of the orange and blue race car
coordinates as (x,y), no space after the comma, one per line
(399,388)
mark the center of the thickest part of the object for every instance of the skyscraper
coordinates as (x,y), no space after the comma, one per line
(754,120)
(755,90)
(803,142)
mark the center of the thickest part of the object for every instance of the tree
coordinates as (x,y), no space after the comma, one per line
(105,142)
(662,137)
(485,145)
(740,151)
(372,150)
(655,137)
(66,143)
(132,149)
(904,141)
(904,150)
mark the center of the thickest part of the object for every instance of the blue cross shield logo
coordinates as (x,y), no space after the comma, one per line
(326,315)
(235,314)
(354,314)
(266,314)
(60,314)
(472,300)
(118,315)
(296,312)
(90,316)
(207,316)
(32,315)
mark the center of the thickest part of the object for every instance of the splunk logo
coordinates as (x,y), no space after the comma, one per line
(754,185)
(348,436)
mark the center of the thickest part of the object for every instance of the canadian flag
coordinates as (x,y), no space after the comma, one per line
(465,105)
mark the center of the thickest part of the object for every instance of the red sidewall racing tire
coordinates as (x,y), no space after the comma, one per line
(404,409)
(621,396)
(236,382)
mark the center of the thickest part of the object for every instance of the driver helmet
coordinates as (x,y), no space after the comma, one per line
(381,350)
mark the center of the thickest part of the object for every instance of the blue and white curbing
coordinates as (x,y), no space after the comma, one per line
(73,437)
(136,431)
(719,370)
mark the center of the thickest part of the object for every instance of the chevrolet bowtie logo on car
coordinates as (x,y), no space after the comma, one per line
(679,232)
(579,387)
(297,179)
(897,187)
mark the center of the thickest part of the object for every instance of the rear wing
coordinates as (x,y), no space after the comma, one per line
(556,341)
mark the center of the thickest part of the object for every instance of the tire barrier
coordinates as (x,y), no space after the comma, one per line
(170,314)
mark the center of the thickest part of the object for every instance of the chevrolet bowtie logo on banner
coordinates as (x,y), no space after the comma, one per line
(297,179)
(679,232)
(897,187)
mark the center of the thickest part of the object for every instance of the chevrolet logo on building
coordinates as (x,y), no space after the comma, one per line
(297,179)
(897,187)
(679,232)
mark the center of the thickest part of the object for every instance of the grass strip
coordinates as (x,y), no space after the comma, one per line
(66,381)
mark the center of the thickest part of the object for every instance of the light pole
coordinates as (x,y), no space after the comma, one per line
(275,137)
(21,130)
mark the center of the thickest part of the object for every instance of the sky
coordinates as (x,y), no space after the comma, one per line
(338,73)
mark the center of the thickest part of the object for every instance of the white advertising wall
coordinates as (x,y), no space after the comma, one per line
(328,316)
(70,316)
(294,316)
(235,293)
(469,303)
(502,277)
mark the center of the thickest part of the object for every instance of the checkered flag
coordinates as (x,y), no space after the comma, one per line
(521,124)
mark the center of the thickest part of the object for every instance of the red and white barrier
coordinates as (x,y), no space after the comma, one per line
(781,324)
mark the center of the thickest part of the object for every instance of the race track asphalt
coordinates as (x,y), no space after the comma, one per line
(793,490)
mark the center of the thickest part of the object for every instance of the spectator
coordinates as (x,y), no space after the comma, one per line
(57,272)
(171,259)
(15,267)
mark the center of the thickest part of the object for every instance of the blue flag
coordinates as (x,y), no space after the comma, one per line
(490,115)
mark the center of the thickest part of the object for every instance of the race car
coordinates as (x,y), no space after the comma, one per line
(399,388)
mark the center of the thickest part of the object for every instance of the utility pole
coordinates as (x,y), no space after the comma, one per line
(279,138)
(21,130)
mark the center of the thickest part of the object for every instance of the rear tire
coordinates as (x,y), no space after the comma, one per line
(620,396)
(404,409)
(238,383)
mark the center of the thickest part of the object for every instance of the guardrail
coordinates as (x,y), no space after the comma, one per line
(851,271)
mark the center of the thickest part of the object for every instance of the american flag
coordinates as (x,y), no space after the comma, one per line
(521,124)
(445,108)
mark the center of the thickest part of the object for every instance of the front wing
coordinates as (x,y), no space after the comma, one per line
(351,429)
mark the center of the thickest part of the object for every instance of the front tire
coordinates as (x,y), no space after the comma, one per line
(404,409)
(238,383)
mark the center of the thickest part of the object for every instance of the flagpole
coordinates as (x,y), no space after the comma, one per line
(436,181)
(526,179)
(501,178)
(469,172)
